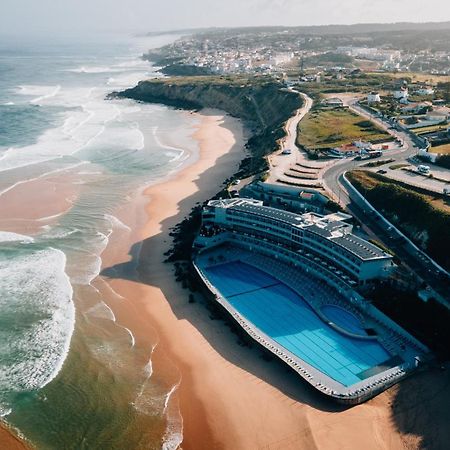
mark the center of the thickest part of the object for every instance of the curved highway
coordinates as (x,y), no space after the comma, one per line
(278,162)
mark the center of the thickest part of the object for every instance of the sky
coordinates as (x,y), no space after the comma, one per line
(78,16)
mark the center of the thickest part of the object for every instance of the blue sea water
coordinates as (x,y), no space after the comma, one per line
(55,121)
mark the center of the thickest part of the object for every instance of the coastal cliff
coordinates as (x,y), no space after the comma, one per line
(262,103)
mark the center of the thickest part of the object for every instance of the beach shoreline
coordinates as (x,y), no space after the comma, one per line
(10,441)
(221,141)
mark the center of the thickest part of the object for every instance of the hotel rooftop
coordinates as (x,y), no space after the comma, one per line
(333,227)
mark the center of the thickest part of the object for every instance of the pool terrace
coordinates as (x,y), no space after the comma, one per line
(343,349)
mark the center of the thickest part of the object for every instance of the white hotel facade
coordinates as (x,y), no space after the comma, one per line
(327,242)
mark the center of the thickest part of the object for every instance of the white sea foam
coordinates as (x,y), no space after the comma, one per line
(107,286)
(126,80)
(175,153)
(169,395)
(42,98)
(80,128)
(39,92)
(133,340)
(36,291)
(9,104)
(61,234)
(136,63)
(6,236)
(88,172)
(5,411)
(95,69)
(102,311)
(47,218)
(116,222)
(50,172)
(84,126)
(85,273)
(145,403)
(173,436)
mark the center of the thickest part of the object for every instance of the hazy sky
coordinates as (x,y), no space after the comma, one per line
(149,15)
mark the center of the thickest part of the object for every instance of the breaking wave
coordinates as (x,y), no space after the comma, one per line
(37,318)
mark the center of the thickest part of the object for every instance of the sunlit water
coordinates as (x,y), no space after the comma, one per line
(71,376)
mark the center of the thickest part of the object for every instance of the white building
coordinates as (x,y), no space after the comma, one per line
(373,97)
(327,240)
(401,94)
(425,91)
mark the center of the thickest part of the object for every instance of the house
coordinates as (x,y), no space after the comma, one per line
(343,151)
(355,148)
(416,108)
(361,145)
(373,97)
(425,90)
(441,113)
(401,94)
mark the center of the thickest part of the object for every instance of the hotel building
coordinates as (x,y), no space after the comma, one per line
(327,241)
(288,280)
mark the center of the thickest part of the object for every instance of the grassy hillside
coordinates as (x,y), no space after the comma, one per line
(441,149)
(425,219)
(324,128)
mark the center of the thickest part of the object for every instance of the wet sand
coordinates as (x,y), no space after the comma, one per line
(8,441)
(30,205)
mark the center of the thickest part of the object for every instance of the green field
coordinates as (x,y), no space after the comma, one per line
(441,149)
(430,129)
(323,128)
(416,77)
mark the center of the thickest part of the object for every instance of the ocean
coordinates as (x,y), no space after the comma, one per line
(71,376)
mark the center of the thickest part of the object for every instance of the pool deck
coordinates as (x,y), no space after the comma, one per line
(343,364)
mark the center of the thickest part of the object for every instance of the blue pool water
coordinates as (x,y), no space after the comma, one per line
(343,319)
(282,314)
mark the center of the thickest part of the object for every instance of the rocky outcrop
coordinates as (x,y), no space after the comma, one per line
(261,102)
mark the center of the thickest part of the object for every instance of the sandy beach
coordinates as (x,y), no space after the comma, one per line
(9,441)
(230,397)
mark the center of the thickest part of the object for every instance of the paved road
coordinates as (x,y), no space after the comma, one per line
(418,261)
(414,178)
(280,163)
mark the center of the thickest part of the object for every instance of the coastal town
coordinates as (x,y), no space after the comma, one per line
(305,50)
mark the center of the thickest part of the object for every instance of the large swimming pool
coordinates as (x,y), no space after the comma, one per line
(283,315)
